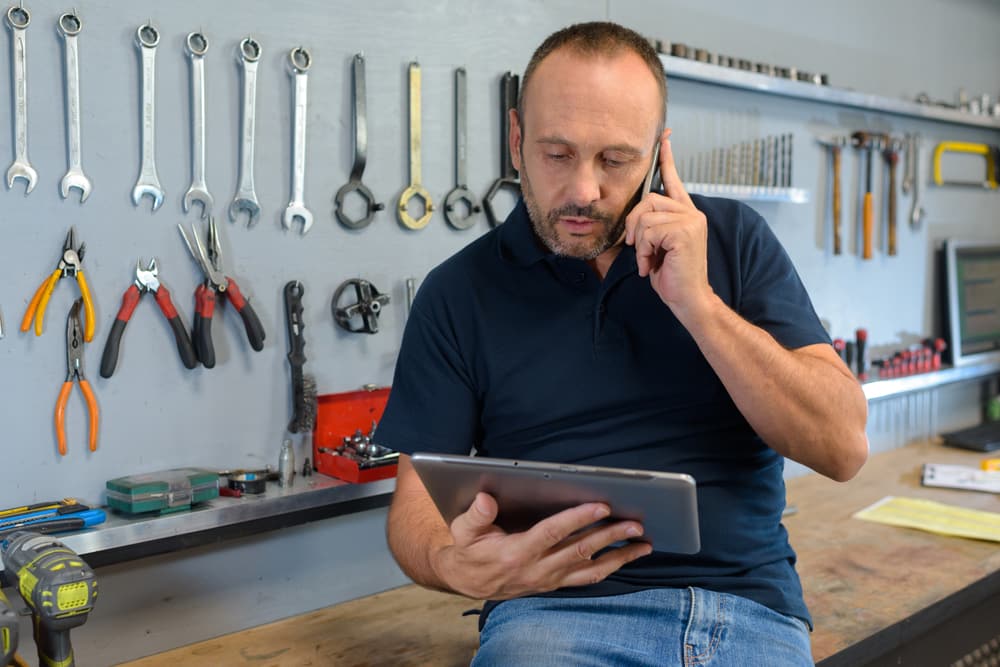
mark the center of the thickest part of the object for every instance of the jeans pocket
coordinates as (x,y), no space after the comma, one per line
(706,626)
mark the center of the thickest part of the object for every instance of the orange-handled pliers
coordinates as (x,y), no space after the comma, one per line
(69,265)
(74,372)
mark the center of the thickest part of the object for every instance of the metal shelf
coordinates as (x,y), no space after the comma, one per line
(878,389)
(750,192)
(683,68)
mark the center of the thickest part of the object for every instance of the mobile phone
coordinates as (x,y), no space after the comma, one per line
(653,180)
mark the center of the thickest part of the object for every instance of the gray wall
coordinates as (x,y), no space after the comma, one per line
(156,415)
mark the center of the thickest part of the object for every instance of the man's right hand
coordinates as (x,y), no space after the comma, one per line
(485,562)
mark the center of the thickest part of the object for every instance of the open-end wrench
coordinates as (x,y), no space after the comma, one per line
(299,61)
(146,38)
(18,19)
(912,179)
(69,27)
(197,47)
(509,84)
(360,154)
(246,197)
(415,188)
(453,212)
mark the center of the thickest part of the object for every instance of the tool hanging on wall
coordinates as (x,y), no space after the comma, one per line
(890,152)
(70,264)
(299,62)
(911,178)
(415,188)
(246,196)
(368,304)
(460,205)
(834,145)
(508,179)
(146,39)
(863,141)
(74,373)
(69,25)
(196,46)
(146,280)
(990,153)
(354,184)
(303,384)
(216,284)
(18,19)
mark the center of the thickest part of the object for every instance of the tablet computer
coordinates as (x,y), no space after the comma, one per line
(527,491)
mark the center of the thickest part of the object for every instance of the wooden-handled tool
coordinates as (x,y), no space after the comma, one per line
(863,141)
(834,144)
(890,152)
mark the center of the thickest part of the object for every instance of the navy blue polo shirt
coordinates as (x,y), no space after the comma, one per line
(519,353)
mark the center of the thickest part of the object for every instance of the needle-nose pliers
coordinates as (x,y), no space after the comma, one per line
(74,373)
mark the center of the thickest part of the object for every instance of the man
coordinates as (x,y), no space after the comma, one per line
(669,334)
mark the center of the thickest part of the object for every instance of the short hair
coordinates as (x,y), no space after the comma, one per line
(597,38)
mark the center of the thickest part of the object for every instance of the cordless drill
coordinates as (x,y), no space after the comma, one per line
(8,631)
(57,585)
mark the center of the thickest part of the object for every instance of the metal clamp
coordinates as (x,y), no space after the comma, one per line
(509,84)
(453,212)
(415,189)
(368,304)
(360,154)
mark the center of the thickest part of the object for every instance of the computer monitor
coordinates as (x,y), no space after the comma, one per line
(972,290)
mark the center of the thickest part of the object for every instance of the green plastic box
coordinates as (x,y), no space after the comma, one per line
(162,492)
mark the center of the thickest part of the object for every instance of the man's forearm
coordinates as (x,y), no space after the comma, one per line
(804,403)
(415,532)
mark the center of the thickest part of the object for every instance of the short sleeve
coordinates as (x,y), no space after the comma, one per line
(433,405)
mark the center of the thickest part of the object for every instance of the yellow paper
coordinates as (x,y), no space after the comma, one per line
(934,517)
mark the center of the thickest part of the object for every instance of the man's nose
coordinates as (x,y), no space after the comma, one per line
(585,184)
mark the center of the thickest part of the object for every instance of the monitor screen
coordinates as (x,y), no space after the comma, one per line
(972,270)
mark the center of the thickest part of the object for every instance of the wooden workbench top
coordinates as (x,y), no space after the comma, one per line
(862,582)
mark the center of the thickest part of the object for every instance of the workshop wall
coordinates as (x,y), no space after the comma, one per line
(155,414)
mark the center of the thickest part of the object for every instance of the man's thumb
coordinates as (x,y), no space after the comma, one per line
(478,518)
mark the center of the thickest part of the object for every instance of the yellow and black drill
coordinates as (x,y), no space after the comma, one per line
(8,632)
(58,586)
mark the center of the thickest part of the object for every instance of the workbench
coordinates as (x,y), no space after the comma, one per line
(878,594)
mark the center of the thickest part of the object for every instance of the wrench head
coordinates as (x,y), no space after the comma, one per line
(142,189)
(201,196)
(244,204)
(20,169)
(295,212)
(75,179)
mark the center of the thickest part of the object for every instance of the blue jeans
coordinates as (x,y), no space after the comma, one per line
(654,628)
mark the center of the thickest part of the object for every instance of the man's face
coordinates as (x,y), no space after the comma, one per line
(584,147)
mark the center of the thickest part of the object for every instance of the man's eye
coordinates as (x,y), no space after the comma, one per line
(557,157)
(614,164)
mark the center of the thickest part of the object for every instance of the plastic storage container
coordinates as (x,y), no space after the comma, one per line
(164,491)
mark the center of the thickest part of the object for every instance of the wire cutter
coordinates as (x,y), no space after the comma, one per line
(216,283)
(69,265)
(74,371)
(146,280)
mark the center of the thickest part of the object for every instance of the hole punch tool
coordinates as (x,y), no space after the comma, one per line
(74,372)
(146,280)
(69,265)
(509,84)
(358,89)
(216,284)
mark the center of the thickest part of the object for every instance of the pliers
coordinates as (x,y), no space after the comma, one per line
(146,280)
(69,265)
(216,283)
(74,372)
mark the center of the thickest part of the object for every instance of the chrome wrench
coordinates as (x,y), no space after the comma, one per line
(453,211)
(912,179)
(246,197)
(18,19)
(299,61)
(197,46)
(415,188)
(69,27)
(146,39)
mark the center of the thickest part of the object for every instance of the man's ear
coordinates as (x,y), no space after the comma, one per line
(514,138)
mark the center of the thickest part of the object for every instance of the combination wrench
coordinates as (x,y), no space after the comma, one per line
(509,84)
(146,39)
(453,208)
(299,61)
(69,27)
(360,116)
(246,197)
(414,189)
(18,19)
(196,47)
(911,175)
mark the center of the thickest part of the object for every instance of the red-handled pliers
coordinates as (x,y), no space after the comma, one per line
(216,283)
